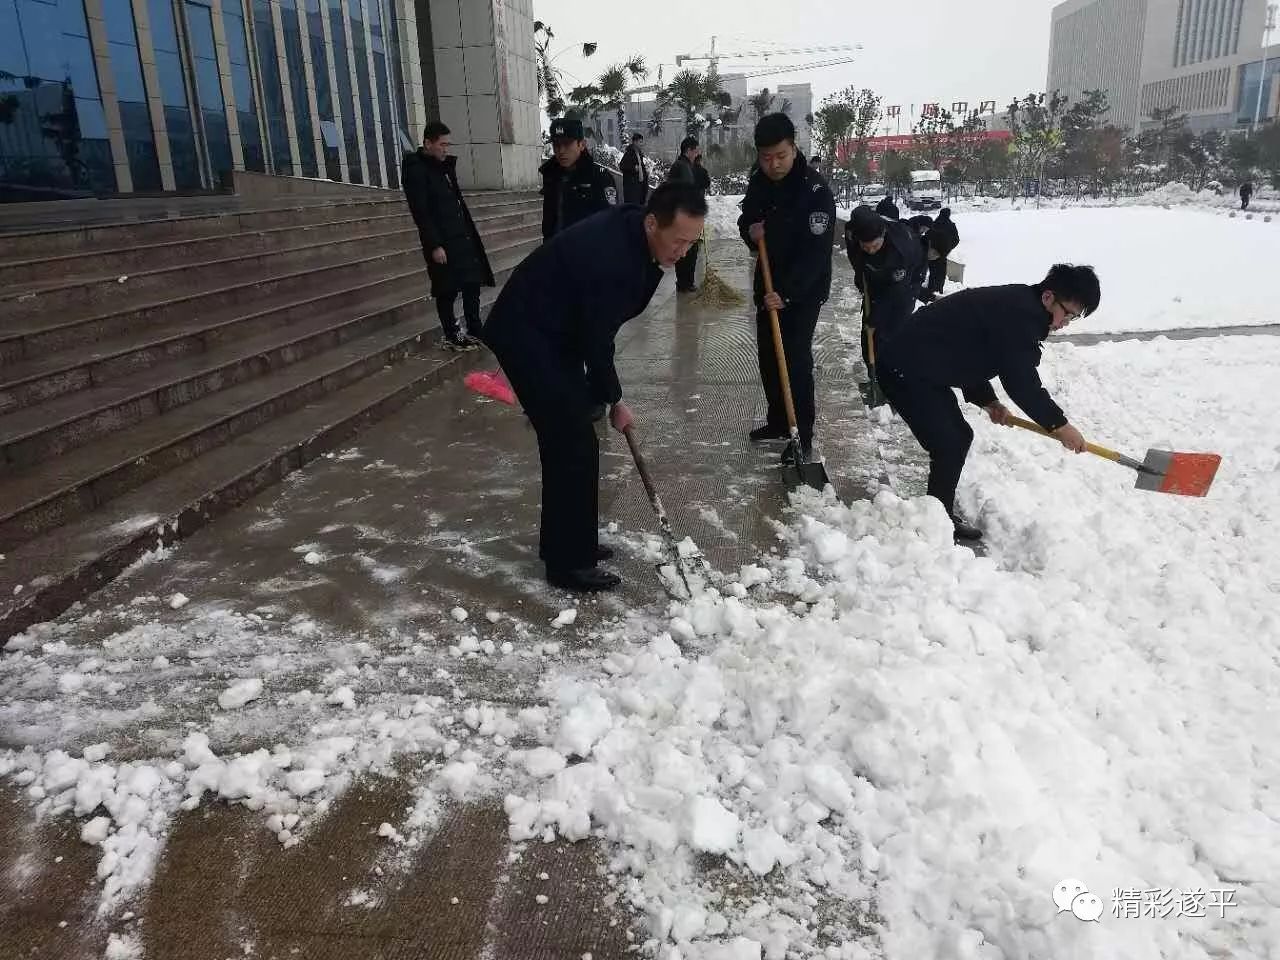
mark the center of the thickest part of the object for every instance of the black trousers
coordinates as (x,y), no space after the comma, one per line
(686,269)
(937,274)
(470,310)
(798,322)
(934,416)
(551,385)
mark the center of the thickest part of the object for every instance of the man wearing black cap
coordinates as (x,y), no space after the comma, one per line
(553,328)
(684,170)
(635,177)
(791,206)
(963,341)
(943,238)
(574,186)
(888,264)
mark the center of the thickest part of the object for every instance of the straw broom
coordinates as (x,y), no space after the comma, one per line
(715,292)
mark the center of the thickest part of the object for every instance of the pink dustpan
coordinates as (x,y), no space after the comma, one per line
(491,384)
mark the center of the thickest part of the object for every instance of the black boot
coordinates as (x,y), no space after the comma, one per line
(586,580)
(965,531)
(765,433)
(603,553)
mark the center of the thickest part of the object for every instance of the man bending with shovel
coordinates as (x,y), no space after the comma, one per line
(552,329)
(963,341)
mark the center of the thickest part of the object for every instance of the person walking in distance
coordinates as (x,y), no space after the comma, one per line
(684,171)
(789,204)
(451,244)
(943,238)
(635,176)
(1246,194)
(553,331)
(574,186)
(964,340)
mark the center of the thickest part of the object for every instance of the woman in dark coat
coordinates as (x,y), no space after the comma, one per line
(451,244)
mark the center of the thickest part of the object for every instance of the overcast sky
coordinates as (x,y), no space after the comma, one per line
(913,51)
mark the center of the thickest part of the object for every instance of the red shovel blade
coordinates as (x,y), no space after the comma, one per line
(493,385)
(1184,474)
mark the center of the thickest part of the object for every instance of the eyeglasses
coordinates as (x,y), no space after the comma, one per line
(1067,316)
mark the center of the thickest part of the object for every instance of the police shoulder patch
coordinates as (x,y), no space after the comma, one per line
(899,275)
(611,194)
(818,223)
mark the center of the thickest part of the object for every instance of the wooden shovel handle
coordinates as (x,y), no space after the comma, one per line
(778,350)
(1095,449)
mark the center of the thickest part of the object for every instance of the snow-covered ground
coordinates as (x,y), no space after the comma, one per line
(870,744)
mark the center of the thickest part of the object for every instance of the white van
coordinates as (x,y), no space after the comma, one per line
(926,190)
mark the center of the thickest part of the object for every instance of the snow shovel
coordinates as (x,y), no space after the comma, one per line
(872,395)
(685,564)
(1164,471)
(796,470)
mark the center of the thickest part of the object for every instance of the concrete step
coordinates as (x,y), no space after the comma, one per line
(106,236)
(44,576)
(41,336)
(54,374)
(34,434)
(43,272)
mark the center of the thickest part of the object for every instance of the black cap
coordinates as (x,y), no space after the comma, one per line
(566,128)
(865,224)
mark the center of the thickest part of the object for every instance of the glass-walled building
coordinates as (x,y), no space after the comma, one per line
(105,97)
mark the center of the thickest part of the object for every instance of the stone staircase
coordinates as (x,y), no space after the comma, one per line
(155,372)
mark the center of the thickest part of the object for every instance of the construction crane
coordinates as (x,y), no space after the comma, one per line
(750,73)
(714,56)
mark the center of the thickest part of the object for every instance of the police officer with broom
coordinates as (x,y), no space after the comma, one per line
(552,330)
(791,205)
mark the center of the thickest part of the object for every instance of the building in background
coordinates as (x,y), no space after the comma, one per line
(140,96)
(663,134)
(1204,57)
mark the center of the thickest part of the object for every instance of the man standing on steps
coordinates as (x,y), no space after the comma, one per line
(574,186)
(451,244)
(552,330)
(684,170)
(963,341)
(635,176)
(791,206)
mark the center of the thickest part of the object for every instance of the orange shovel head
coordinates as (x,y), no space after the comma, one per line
(1184,474)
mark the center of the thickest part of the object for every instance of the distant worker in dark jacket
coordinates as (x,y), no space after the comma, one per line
(451,244)
(887,208)
(635,176)
(888,263)
(701,174)
(791,206)
(574,186)
(962,342)
(552,330)
(943,237)
(1246,194)
(683,171)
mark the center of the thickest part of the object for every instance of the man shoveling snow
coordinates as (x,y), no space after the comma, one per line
(965,340)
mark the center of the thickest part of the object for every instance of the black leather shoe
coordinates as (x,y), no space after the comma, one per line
(765,433)
(603,553)
(586,580)
(966,531)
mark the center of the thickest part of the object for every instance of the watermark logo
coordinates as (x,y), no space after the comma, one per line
(1074,896)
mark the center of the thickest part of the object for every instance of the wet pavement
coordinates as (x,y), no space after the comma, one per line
(351,562)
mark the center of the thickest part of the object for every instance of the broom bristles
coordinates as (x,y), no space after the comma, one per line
(716,292)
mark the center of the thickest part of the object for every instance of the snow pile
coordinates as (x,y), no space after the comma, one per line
(941,738)
(1192,269)
(722,216)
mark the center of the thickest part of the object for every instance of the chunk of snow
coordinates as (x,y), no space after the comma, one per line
(565,618)
(240,693)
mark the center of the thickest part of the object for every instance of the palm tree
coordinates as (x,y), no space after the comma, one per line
(763,102)
(549,75)
(692,91)
(611,89)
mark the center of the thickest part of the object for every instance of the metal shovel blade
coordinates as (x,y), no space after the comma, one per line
(872,395)
(798,472)
(1183,474)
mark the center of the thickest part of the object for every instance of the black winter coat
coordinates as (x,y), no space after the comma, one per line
(682,171)
(943,236)
(635,179)
(577,290)
(889,278)
(569,196)
(888,209)
(968,338)
(799,216)
(443,220)
(702,177)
